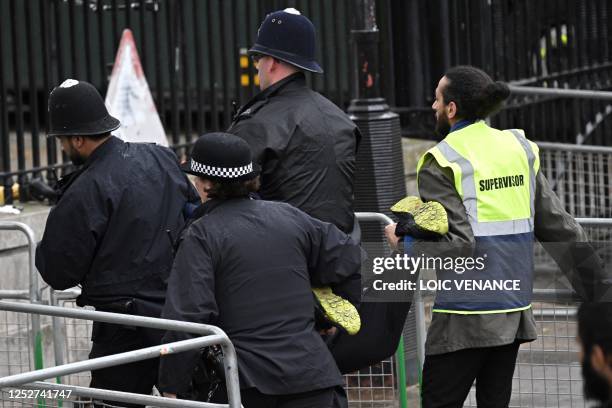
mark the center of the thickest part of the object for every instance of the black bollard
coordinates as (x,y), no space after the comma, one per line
(379,179)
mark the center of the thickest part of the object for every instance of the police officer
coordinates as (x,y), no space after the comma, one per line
(304,143)
(497,201)
(247,266)
(108,231)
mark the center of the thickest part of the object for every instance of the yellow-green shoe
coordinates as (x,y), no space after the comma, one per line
(419,219)
(407,205)
(340,312)
(431,217)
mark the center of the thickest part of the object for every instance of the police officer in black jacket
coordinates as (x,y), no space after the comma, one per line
(304,143)
(108,231)
(247,266)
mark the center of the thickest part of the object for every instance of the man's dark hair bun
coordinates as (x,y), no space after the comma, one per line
(474,92)
(497,92)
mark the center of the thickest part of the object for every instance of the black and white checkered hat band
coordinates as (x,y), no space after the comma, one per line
(224,172)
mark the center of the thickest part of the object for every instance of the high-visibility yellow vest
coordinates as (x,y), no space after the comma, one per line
(494,173)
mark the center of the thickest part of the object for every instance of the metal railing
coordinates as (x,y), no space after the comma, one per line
(71,337)
(369,387)
(536,378)
(20,335)
(21,339)
(32,292)
(196,68)
(548,370)
(71,342)
(553,43)
(560,92)
(579,175)
(211,335)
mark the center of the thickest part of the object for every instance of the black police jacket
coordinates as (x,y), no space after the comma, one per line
(108,231)
(306,147)
(248,266)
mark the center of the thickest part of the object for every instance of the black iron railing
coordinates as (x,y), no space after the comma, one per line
(553,43)
(191,53)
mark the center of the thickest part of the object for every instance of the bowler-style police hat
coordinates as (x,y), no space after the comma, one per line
(221,157)
(77,109)
(288,36)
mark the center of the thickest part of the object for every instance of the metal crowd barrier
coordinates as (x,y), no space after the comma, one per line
(71,337)
(21,338)
(370,387)
(31,293)
(579,175)
(211,335)
(547,371)
(71,342)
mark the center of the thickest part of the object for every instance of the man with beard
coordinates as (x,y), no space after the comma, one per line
(595,338)
(109,231)
(497,202)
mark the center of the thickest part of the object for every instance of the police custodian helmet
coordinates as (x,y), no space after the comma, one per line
(77,109)
(221,157)
(288,36)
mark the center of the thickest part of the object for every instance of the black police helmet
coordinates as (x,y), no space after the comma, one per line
(221,157)
(77,109)
(288,36)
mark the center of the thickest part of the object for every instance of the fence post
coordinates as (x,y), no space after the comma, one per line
(400,359)
(33,294)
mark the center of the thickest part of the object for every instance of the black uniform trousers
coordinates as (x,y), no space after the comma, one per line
(447,378)
(333,397)
(138,377)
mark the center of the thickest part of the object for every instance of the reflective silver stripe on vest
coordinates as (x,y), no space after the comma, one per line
(531,159)
(468,185)
(467,179)
(486,229)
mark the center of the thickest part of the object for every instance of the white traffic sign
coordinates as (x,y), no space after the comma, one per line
(129,99)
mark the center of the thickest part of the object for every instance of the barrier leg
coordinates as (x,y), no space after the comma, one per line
(38,359)
(400,359)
